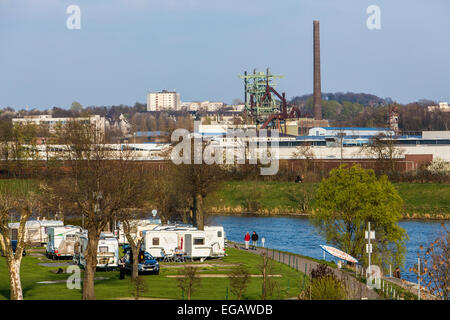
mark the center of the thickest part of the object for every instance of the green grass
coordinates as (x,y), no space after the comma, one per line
(17,186)
(159,286)
(273,196)
(421,200)
(425,198)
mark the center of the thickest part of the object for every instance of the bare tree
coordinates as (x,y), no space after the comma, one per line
(98,182)
(128,217)
(239,278)
(197,180)
(269,284)
(22,203)
(138,287)
(435,266)
(385,150)
(188,280)
(306,153)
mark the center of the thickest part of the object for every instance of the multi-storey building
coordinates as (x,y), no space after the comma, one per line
(164,100)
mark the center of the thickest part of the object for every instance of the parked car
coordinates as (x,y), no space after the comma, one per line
(14,246)
(147,263)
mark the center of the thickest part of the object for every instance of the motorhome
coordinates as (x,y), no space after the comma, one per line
(107,250)
(36,231)
(61,241)
(194,243)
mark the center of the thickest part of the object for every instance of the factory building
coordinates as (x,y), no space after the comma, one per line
(349,131)
(51,122)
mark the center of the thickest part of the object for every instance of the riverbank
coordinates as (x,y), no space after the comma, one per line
(430,201)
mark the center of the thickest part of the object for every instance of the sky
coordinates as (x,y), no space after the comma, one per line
(125,48)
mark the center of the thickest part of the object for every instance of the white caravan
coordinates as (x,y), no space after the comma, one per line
(192,242)
(137,226)
(155,241)
(36,231)
(107,250)
(61,241)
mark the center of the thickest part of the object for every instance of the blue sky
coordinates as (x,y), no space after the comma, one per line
(198,47)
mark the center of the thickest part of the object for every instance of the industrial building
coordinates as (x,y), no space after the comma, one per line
(349,132)
(51,122)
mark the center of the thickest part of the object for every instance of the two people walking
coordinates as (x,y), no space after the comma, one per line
(254,238)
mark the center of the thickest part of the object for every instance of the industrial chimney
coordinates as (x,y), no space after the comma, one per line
(317,98)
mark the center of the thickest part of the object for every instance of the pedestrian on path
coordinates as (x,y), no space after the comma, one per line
(247,240)
(254,240)
(122,268)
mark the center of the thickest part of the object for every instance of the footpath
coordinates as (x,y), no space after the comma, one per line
(357,290)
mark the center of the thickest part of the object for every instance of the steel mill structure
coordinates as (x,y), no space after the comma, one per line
(267,108)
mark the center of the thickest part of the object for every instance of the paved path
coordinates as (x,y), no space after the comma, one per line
(218,275)
(411,287)
(64,281)
(357,289)
(62,264)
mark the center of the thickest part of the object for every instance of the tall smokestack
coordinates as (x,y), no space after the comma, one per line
(317,98)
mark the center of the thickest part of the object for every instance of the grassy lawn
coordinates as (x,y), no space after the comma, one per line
(159,286)
(420,200)
(426,198)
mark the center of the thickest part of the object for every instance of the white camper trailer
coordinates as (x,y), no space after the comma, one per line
(61,241)
(215,237)
(36,231)
(107,250)
(192,242)
(155,241)
(136,227)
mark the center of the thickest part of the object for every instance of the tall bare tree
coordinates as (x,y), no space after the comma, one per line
(197,181)
(20,202)
(385,150)
(434,272)
(97,182)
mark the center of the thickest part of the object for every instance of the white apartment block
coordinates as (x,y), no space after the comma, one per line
(47,119)
(164,100)
(443,107)
(202,105)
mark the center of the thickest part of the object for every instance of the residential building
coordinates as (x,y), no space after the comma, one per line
(163,100)
(443,107)
(202,105)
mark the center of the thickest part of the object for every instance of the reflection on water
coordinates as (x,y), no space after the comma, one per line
(297,235)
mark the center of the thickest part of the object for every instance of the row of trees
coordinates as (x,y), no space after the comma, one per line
(362,110)
(102,186)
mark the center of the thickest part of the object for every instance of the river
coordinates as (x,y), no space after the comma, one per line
(297,235)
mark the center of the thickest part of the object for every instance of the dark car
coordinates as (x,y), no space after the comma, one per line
(14,246)
(147,263)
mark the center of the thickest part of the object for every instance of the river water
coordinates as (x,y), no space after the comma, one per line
(297,235)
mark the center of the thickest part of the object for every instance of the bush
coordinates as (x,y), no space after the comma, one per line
(327,288)
(320,271)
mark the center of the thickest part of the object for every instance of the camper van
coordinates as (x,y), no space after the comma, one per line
(194,243)
(107,250)
(61,241)
(36,231)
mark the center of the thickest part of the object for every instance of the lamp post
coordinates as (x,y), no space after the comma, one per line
(369,235)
